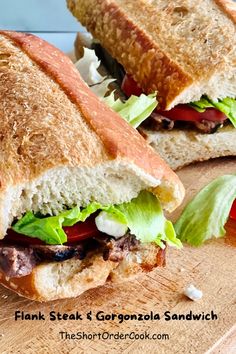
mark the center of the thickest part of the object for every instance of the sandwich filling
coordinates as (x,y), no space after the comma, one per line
(112,230)
(204,116)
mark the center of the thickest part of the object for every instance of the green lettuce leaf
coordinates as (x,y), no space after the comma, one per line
(50,229)
(135,110)
(205,216)
(143,216)
(145,219)
(226,106)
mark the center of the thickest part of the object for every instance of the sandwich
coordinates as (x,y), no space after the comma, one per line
(81,192)
(185,52)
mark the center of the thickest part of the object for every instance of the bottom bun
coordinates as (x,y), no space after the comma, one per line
(182,147)
(51,281)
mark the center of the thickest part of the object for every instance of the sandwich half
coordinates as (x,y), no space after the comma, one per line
(186,52)
(81,192)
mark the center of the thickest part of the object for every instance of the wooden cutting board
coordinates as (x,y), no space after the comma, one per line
(210,267)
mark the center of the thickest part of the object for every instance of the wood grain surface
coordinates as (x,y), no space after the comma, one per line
(210,268)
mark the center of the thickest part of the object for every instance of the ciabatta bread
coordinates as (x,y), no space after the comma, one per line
(182,49)
(60,145)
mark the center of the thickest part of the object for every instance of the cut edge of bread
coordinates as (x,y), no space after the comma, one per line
(109,183)
(183,147)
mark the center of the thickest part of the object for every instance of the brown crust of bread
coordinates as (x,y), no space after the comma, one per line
(92,272)
(133,48)
(229,7)
(118,138)
(24,286)
(156,59)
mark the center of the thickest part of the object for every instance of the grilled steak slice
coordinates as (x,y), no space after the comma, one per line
(117,249)
(18,261)
(157,122)
(59,253)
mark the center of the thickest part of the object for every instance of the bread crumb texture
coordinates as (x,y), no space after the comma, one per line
(182,147)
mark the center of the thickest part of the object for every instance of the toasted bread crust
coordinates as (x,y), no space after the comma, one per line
(79,276)
(151,47)
(118,140)
(229,7)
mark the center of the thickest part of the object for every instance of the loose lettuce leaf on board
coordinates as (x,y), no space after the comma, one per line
(205,216)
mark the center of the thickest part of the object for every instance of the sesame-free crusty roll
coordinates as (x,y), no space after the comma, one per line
(61,147)
(55,131)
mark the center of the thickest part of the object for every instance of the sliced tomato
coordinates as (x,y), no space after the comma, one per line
(75,233)
(130,87)
(186,113)
(233,211)
(14,237)
(182,112)
(81,230)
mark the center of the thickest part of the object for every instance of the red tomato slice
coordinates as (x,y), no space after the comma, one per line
(82,230)
(181,112)
(233,211)
(187,113)
(14,237)
(130,87)
(75,233)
